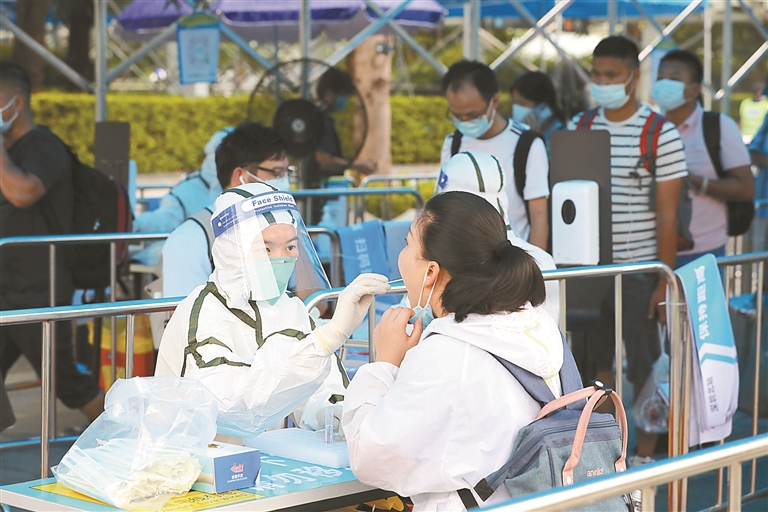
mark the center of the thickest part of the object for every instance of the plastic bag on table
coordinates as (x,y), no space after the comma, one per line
(142,450)
(651,410)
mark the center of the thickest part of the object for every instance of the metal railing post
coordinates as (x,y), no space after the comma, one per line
(618,308)
(758,355)
(371,327)
(734,486)
(129,339)
(52,302)
(46,391)
(112,320)
(563,300)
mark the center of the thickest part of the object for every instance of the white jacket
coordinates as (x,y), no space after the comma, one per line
(448,417)
(255,388)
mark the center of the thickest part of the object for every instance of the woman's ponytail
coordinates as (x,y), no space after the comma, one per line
(468,238)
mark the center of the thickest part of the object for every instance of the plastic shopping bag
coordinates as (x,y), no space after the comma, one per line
(142,450)
(651,410)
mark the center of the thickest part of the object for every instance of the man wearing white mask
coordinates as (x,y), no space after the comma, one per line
(677,92)
(197,190)
(245,334)
(482,175)
(250,153)
(643,221)
(472,93)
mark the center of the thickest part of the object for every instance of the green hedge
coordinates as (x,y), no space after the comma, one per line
(168,133)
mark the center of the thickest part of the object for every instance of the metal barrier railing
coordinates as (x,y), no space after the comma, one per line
(397,177)
(47,316)
(757,287)
(330,193)
(679,386)
(680,352)
(647,477)
(394,180)
(143,188)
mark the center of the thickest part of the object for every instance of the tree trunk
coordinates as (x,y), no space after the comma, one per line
(30,17)
(372,73)
(80,19)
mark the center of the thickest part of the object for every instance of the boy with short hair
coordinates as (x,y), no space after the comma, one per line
(640,232)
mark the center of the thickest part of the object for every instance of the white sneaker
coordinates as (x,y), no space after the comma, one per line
(639,460)
(633,462)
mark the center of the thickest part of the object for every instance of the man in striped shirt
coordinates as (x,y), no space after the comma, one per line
(644,221)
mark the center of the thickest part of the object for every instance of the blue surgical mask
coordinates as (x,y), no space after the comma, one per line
(611,96)
(6,125)
(668,94)
(266,287)
(425,313)
(340,103)
(519,112)
(283,270)
(474,127)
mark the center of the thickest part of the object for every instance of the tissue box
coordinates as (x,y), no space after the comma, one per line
(226,467)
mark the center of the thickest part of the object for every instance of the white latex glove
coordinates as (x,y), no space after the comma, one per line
(352,306)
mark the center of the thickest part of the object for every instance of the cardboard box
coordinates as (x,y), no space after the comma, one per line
(227,467)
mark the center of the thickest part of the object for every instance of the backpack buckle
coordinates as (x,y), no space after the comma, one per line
(599,385)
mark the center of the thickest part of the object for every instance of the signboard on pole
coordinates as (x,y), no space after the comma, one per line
(715,375)
(197,35)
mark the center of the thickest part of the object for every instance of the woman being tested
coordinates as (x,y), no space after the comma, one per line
(247,337)
(437,412)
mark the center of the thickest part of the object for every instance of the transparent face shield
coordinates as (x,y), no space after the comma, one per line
(275,251)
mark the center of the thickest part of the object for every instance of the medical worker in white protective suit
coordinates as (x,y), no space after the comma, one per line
(437,412)
(249,339)
(480,173)
(197,190)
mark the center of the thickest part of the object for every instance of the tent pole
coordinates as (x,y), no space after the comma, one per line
(612,16)
(355,41)
(531,33)
(472,30)
(42,51)
(400,31)
(100,24)
(674,25)
(725,100)
(707,56)
(529,17)
(305,36)
(142,52)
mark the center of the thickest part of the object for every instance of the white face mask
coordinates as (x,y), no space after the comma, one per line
(669,94)
(6,125)
(611,96)
(519,112)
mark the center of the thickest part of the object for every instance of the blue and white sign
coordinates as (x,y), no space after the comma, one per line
(715,365)
(198,39)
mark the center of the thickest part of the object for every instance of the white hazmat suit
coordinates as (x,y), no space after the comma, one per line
(197,190)
(243,335)
(449,415)
(481,174)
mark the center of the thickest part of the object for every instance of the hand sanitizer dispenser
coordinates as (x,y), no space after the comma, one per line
(576,223)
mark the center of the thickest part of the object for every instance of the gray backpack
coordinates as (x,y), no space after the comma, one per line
(565,444)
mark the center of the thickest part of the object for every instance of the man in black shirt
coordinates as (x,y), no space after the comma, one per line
(333,90)
(35,187)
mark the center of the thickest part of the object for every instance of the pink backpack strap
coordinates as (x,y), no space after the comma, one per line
(581,432)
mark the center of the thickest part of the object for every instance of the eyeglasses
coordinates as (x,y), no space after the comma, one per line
(450,115)
(279,172)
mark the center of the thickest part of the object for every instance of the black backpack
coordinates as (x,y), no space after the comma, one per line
(519,162)
(740,213)
(101,205)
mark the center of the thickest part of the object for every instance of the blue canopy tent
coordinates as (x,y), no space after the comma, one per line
(265,20)
(580,9)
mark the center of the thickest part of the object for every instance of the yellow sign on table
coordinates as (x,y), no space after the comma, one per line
(192,501)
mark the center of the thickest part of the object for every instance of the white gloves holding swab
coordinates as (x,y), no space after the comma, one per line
(352,306)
